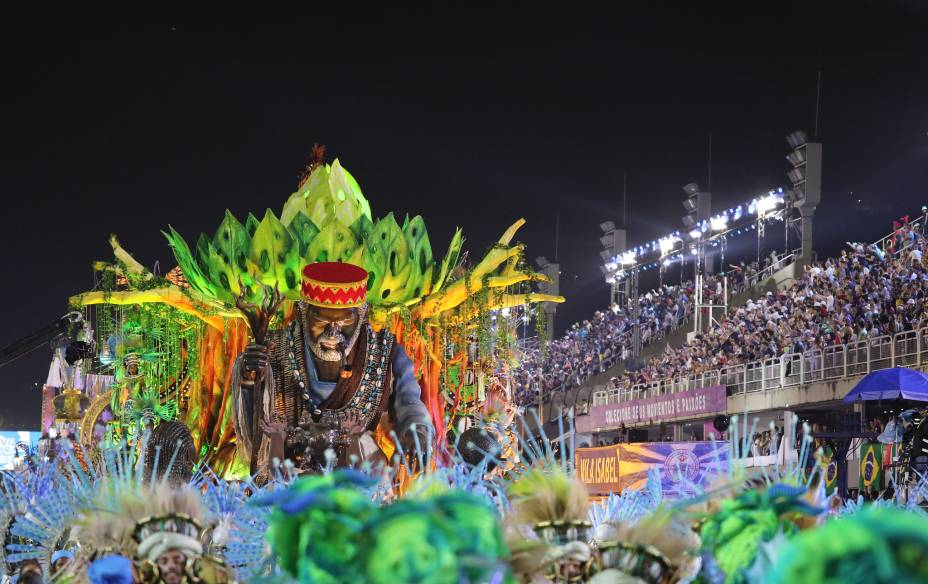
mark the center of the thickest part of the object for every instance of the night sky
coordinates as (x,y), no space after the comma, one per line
(470,120)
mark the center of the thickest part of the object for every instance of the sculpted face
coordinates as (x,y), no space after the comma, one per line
(331,330)
(171,566)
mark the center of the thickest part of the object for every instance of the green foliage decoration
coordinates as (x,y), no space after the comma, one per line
(882,545)
(327,219)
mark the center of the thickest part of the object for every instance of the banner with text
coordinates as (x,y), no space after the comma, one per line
(685,467)
(685,404)
(16,444)
(598,468)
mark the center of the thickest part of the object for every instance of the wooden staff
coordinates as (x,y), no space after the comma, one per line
(259,318)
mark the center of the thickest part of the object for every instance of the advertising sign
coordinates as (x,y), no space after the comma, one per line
(13,444)
(598,468)
(694,403)
(685,467)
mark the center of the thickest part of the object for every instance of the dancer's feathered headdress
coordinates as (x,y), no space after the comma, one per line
(18,493)
(41,531)
(146,407)
(141,520)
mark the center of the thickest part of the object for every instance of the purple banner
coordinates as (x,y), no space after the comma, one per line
(694,403)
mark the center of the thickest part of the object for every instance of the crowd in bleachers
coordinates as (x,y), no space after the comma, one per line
(590,347)
(864,293)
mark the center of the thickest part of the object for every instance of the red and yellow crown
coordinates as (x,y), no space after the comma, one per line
(334,285)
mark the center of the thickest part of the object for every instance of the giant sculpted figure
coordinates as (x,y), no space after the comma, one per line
(328,380)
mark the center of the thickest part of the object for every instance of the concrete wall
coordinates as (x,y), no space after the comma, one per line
(790,397)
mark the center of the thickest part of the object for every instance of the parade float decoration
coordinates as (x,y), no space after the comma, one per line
(177,336)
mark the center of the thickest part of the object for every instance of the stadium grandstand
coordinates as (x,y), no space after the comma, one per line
(795,338)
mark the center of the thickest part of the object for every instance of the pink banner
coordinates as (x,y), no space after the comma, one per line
(695,403)
(48,407)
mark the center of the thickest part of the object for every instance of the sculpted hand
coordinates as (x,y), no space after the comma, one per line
(408,442)
(254,361)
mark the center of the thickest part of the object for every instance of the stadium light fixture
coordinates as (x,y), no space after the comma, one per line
(719,222)
(667,244)
(695,233)
(542,262)
(606,255)
(628,258)
(690,189)
(766,204)
(797,139)
(607,226)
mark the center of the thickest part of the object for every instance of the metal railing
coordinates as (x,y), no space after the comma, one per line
(887,243)
(740,284)
(905,349)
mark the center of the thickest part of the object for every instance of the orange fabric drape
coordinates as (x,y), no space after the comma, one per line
(210,408)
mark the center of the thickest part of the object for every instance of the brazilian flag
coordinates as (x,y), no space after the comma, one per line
(829,469)
(871,466)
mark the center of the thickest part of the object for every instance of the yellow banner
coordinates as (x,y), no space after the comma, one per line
(598,468)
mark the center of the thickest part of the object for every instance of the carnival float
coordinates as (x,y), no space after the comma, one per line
(165,345)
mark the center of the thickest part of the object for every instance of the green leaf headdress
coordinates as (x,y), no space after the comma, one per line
(146,407)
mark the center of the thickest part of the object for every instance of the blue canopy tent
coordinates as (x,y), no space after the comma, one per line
(888,384)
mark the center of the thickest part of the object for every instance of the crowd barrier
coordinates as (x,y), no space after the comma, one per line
(905,349)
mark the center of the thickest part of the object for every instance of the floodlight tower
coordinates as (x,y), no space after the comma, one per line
(634,310)
(614,245)
(698,206)
(553,272)
(806,177)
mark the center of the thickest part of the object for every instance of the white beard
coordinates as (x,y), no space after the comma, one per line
(323,354)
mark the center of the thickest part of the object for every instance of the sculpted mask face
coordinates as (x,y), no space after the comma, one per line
(171,566)
(333,330)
